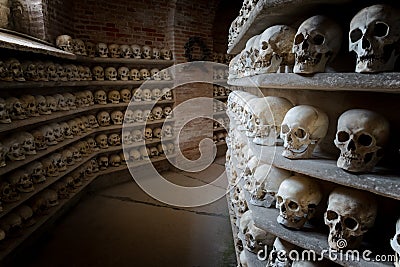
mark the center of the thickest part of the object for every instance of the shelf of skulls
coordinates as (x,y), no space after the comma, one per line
(311,237)
(256,16)
(43,216)
(159,63)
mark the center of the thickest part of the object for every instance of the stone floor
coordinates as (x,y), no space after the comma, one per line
(123,226)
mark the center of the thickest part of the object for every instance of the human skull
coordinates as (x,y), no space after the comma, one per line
(40,143)
(316,43)
(79,47)
(90,49)
(154,151)
(146,95)
(7,193)
(145,152)
(156,53)
(114,97)
(111,74)
(102,50)
(49,167)
(4,112)
(167,111)
(103,162)
(157,133)
(256,239)
(114,50)
(89,97)
(350,214)
(137,94)
(297,199)
(70,100)
(29,105)
(279,255)
(100,97)
(361,136)
(76,154)
(50,197)
(5,74)
(148,134)
(15,108)
(92,144)
(14,149)
(103,118)
(81,125)
(71,72)
(126,95)
(167,131)
(27,142)
(42,107)
(20,181)
(157,113)
(374,34)
(127,138)
(60,72)
(61,189)
(26,214)
(165,75)
(61,104)
(275,49)
(136,51)
(135,155)
(134,75)
(166,94)
(138,115)
(83,148)
(115,160)
(126,51)
(102,141)
(51,71)
(114,139)
(144,74)
(73,126)
(267,180)
(66,130)
(117,117)
(137,135)
(155,74)
(302,128)
(93,121)
(98,73)
(64,42)
(14,66)
(51,103)
(146,52)
(3,154)
(68,157)
(59,162)
(123,73)
(166,54)
(264,117)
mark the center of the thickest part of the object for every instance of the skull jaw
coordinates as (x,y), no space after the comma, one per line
(28,222)
(12,197)
(39,179)
(26,188)
(292,222)
(16,157)
(374,63)
(303,152)
(250,134)
(2,162)
(5,120)
(307,64)
(357,163)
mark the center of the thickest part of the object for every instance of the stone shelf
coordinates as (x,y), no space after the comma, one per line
(381,82)
(307,238)
(271,12)
(21,42)
(221,97)
(50,84)
(219,129)
(159,63)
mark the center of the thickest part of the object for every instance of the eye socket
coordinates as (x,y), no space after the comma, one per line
(298,39)
(293,205)
(365,140)
(355,35)
(343,136)
(318,39)
(350,223)
(300,133)
(264,45)
(279,199)
(381,29)
(331,215)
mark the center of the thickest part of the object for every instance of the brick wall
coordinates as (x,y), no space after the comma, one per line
(57,18)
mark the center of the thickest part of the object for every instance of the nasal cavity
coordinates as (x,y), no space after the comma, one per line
(365,43)
(351,146)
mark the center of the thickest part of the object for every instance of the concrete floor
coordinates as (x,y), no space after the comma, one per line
(122,226)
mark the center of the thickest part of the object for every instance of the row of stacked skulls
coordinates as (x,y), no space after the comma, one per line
(103,50)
